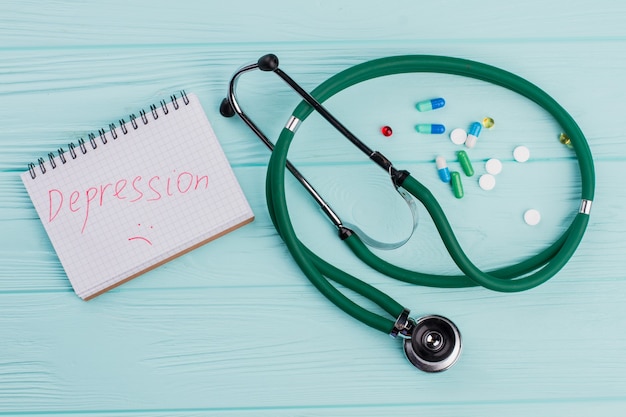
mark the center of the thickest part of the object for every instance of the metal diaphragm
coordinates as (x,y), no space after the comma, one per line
(434,345)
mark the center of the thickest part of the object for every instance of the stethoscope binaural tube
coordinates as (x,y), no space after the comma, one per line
(519,277)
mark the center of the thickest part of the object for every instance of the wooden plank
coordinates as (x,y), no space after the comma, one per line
(74,92)
(274,346)
(159,22)
(580,408)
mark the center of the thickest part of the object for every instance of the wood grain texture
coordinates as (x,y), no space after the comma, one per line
(234,328)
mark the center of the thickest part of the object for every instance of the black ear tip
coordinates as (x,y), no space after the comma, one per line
(268,62)
(226,109)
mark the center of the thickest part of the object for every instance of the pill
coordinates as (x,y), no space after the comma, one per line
(521,154)
(457,185)
(458,136)
(428,105)
(532,217)
(430,128)
(386,131)
(472,134)
(465,162)
(565,140)
(493,166)
(488,122)
(487,182)
(442,168)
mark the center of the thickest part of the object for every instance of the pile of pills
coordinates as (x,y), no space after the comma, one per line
(469,138)
(487,181)
(453,177)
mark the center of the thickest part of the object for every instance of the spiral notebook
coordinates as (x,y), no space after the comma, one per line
(137,195)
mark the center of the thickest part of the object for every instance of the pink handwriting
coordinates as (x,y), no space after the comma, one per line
(130,190)
(141,238)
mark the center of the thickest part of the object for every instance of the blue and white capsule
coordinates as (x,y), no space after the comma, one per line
(472,134)
(442,169)
(428,105)
(433,129)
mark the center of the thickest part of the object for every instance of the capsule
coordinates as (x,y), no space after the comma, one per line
(472,134)
(428,105)
(435,129)
(457,185)
(565,140)
(465,162)
(488,122)
(442,168)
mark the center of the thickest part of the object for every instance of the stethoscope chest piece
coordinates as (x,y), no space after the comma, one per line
(434,345)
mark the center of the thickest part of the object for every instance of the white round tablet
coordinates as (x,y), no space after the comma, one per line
(493,166)
(521,154)
(532,217)
(458,136)
(487,182)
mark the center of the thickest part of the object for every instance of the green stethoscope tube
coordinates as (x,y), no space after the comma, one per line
(519,277)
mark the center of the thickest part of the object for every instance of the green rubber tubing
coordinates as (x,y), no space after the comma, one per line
(519,277)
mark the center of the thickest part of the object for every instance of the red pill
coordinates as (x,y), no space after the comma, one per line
(386,130)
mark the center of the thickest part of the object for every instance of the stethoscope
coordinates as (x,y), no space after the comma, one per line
(431,343)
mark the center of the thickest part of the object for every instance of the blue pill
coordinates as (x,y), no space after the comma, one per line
(428,105)
(436,129)
(474,129)
(442,169)
(472,134)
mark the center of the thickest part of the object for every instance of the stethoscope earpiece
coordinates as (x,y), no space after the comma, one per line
(434,345)
(268,62)
(226,109)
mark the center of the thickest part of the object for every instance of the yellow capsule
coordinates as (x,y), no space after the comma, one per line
(565,140)
(488,122)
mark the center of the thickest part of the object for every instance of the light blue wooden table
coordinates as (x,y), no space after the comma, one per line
(234,328)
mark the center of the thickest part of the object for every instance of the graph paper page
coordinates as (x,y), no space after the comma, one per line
(138,200)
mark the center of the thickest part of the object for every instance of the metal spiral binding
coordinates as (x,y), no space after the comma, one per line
(102,134)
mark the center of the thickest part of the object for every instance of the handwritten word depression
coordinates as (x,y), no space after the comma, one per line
(130,190)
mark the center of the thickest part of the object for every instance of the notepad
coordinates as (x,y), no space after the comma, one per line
(136,195)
